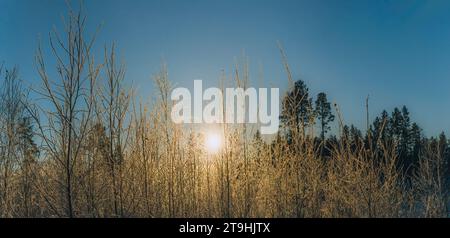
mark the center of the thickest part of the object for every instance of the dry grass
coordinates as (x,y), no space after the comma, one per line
(106,154)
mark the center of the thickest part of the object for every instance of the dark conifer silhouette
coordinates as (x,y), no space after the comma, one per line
(324,114)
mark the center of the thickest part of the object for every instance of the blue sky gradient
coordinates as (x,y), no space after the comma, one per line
(396,51)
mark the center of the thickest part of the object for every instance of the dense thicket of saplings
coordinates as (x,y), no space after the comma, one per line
(86,147)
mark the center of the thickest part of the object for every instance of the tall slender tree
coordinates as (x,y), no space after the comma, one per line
(69,108)
(115,100)
(324,114)
(297,108)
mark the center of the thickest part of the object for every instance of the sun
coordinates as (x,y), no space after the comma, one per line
(213,142)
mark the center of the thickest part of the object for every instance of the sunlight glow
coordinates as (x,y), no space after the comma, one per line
(213,142)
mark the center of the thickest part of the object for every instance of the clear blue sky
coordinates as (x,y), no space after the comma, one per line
(396,51)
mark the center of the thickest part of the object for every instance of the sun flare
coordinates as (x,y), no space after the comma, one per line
(213,142)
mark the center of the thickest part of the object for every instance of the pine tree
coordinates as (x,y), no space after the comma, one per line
(416,140)
(297,108)
(29,154)
(324,114)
